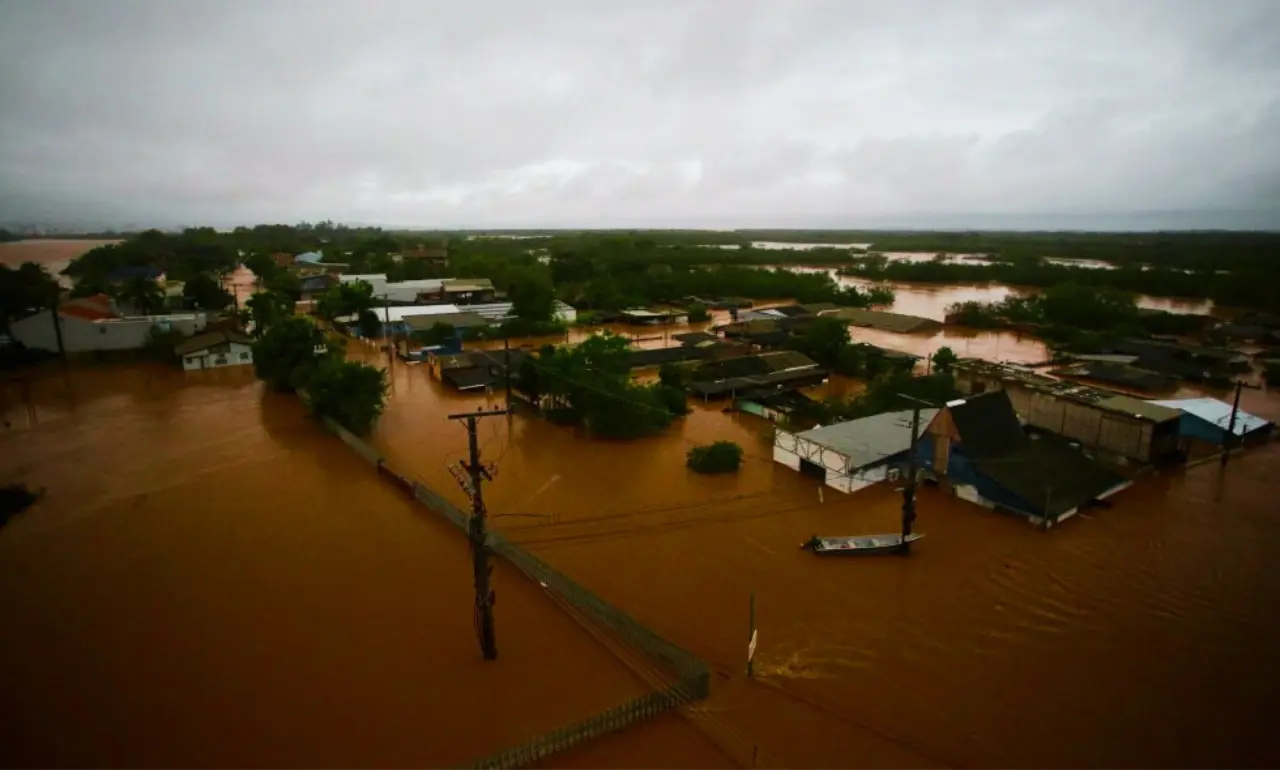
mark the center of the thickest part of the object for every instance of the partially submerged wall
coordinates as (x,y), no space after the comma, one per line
(680,677)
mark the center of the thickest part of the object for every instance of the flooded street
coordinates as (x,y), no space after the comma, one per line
(213,580)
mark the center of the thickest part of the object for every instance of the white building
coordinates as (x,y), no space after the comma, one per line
(215,350)
(93,323)
(849,456)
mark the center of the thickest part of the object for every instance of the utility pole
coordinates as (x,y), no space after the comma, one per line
(476,475)
(506,368)
(1231,425)
(909,489)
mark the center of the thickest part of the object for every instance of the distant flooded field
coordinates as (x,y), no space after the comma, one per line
(53,254)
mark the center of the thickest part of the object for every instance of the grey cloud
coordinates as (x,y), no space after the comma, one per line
(576,113)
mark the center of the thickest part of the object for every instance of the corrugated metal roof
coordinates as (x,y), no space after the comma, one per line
(1217,413)
(311,257)
(871,439)
(1146,410)
(396,314)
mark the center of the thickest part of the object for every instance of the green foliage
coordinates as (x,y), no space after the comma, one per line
(1059,310)
(699,314)
(344,299)
(673,375)
(1271,369)
(352,394)
(719,457)
(7,236)
(267,308)
(182,256)
(141,294)
(285,283)
(532,295)
(286,355)
(591,384)
(24,290)
(943,359)
(206,293)
(824,340)
(370,324)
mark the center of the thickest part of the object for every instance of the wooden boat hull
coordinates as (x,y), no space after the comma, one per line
(866,545)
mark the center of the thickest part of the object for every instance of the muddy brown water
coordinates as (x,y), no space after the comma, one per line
(212,580)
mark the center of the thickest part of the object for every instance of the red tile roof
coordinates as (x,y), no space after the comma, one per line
(94,308)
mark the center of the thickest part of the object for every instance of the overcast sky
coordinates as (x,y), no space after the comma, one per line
(727,113)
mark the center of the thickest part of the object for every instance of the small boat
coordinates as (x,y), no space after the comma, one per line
(864,545)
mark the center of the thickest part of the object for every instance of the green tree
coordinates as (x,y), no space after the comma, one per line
(698,314)
(344,299)
(287,354)
(825,339)
(142,294)
(944,358)
(719,457)
(370,324)
(532,295)
(25,290)
(206,293)
(266,309)
(351,394)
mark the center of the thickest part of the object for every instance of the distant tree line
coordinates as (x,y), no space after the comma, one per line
(1243,286)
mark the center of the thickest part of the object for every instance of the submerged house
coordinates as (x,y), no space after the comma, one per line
(475,369)
(214,350)
(849,456)
(779,370)
(1116,427)
(1208,420)
(772,405)
(979,448)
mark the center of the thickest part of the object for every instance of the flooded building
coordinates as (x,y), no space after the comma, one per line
(978,446)
(776,371)
(1209,420)
(1117,427)
(849,456)
(474,369)
(90,324)
(214,350)
(898,323)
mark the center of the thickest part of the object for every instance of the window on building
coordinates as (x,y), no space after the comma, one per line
(244,356)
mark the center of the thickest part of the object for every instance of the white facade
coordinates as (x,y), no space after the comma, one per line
(219,355)
(80,335)
(789,449)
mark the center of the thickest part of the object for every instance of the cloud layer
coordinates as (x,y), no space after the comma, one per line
(649,113)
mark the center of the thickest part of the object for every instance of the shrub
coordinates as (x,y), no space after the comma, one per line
(698,314)
(720,457)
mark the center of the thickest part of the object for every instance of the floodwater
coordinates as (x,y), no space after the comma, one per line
(212,580)
(54,254)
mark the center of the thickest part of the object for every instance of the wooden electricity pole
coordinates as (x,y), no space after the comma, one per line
(471,484)
(909,489)
(1231,424)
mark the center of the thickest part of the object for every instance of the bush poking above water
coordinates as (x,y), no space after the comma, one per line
(720,457)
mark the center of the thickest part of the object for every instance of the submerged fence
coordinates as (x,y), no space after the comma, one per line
(692,677)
